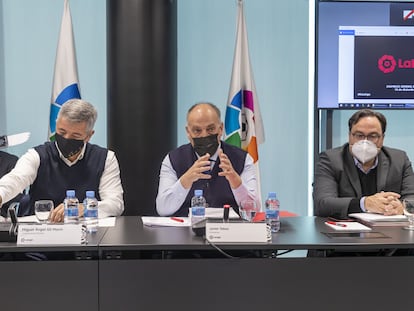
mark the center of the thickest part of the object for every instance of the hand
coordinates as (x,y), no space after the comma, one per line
(228,171)
(58,213)
(386,203)
(196,171)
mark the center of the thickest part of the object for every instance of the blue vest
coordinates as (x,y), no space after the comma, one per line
(216,190)
(54,177)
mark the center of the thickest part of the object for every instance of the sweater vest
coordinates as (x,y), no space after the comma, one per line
(54,177)
(216,190)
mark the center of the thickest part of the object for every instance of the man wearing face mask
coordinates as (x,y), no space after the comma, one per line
(225,173)
(362,175)
(70,162)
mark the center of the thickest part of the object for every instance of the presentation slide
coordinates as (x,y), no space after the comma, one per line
(365,55)
(384,67)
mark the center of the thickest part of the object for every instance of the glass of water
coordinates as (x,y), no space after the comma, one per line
(42,210)
(248,209)
(408,205)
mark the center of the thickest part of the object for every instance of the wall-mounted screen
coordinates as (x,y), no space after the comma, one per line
(364,55)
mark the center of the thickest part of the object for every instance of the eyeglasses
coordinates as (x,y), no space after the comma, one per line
(374,137)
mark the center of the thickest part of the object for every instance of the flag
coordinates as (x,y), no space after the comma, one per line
(65,80)
(243,122)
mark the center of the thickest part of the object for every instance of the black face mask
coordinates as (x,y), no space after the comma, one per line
(68,147)
(208,144)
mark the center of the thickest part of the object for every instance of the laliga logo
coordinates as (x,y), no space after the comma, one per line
(387,63)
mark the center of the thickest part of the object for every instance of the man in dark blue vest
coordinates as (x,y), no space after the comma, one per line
(225,173)
(70,162)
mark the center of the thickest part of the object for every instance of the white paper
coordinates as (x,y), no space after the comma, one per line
(27,219)
(102,222)
(166,221)
(377,217)
(217,213)
(107,222)
(348,226)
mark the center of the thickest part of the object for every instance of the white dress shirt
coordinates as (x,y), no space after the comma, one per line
(172,194)
(25,173)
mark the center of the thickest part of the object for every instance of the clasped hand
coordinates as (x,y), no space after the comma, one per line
(386,203)
(196,171)
(202,165)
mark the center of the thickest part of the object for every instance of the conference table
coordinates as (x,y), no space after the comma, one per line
(134,267)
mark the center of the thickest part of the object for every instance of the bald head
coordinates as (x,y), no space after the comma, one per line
(203,119)
(204,107)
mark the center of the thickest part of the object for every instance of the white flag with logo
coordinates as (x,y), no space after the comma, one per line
(65,80)
(243,122)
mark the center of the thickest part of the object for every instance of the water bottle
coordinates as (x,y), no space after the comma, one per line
(71,205)
(90,212)
(272,212)
(198,207)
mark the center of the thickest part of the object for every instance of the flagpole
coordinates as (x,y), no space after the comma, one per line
(243,121)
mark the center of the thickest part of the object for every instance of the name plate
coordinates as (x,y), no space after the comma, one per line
(49,234)
(236,232)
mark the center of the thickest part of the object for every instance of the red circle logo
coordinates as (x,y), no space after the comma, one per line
(387,63)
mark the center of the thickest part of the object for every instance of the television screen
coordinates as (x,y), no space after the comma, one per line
(364,55)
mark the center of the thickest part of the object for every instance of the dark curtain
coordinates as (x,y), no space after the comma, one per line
(142,101)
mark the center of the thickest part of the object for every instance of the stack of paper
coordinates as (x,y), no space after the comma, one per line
(347,226)
(373,220)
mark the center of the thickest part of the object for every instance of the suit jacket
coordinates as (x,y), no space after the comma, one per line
(7,162)
(337,182)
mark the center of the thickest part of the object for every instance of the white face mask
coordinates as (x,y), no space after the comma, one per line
(364,150)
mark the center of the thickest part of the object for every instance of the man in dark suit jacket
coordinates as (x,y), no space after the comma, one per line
(362,175)
(7,162)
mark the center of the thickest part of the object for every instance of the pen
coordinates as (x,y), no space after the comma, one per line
(335,223)
(177,219)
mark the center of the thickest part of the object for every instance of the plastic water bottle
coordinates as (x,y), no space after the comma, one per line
(71,205)
(90,212)
(198,207)
(272,212)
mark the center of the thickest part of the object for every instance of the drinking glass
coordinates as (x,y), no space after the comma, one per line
(42,209)
(408,205)
(248,209)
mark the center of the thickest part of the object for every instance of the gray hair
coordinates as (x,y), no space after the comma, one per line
(78,110)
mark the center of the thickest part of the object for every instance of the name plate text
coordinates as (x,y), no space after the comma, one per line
(49,234)
(236,232)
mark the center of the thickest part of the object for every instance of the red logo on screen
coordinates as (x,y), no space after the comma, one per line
(387,63)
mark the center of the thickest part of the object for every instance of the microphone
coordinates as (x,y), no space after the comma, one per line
(226,211)
(8,231)
(199,228)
